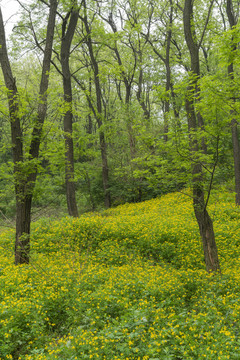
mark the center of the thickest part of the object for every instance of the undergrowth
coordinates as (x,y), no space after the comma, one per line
(127,283)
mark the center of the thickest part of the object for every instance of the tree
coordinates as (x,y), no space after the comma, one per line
(25,165)
(195,122)
(68,30)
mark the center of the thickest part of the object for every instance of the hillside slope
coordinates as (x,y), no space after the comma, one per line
(127,283)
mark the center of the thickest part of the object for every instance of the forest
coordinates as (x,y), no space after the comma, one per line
(107,102)
(120,173)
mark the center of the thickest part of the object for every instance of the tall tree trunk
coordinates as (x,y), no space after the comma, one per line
(234,124)
(22,225)
(99,112)
(203,219)
(25,179)
(66,41)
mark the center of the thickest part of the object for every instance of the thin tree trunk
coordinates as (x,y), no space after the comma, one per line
(99,113)
(66,41)
(203,219)
(234,125)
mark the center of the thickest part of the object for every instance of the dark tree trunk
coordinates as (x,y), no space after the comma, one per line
(89,125)
(203,219)
(23,222)
(140,98)
(206,230)
(234,124)
(67,36)
(25,180)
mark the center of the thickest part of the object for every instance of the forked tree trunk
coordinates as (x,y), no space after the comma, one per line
(203,219)
(67,36)
(25,179)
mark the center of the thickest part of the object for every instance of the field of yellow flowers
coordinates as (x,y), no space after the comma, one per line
(128,283)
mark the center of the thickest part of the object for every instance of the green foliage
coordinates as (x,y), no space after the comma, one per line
(141,164)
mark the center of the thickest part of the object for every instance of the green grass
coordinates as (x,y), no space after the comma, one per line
(127,283)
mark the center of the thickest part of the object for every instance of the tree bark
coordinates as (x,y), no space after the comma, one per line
(25,179)
(203,219)
(66,41)
(205,227)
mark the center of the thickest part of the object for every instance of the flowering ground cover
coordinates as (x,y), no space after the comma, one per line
(127,283)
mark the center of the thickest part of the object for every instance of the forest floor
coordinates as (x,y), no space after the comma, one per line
(126,283)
